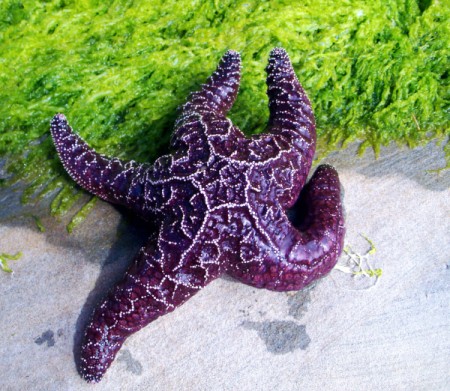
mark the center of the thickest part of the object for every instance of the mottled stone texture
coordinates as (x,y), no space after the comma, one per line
(221,201)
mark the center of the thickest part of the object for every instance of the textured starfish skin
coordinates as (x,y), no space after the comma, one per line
(224,203)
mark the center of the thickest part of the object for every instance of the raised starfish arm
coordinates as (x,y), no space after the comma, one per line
(291,114)
(220,90)
(299,251)
(204,113)
(166,272)
(110,179)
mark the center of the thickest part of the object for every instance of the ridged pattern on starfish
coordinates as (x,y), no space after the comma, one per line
(224,203)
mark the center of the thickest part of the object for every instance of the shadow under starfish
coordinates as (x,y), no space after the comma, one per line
(220,201)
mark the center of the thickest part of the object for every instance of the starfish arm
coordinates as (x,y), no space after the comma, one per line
(304,250)
(291,114)
(220,90)
(110,179)
(166,272)
(318,224)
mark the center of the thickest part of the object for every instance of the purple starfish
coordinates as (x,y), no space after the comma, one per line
(224,203)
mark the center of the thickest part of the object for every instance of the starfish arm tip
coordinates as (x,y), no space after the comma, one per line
(219,92)
(279,51)
(232,52)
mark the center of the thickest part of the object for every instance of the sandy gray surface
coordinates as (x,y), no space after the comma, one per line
(343,333)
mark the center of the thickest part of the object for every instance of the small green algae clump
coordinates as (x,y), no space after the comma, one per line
(359,265)
(5,258)
(81,214)
(375,71)
(38,223)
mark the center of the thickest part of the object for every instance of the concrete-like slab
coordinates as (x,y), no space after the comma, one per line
(343,333)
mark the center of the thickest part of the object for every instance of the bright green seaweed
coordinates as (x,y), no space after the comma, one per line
(375,71)
(5,258)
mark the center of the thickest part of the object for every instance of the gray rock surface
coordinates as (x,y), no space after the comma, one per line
(344,333)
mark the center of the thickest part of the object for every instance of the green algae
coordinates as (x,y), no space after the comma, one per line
(38,223)
(359,265)
(5,258)
(375,72)
(79,217)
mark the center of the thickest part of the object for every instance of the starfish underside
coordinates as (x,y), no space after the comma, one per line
(224,203)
